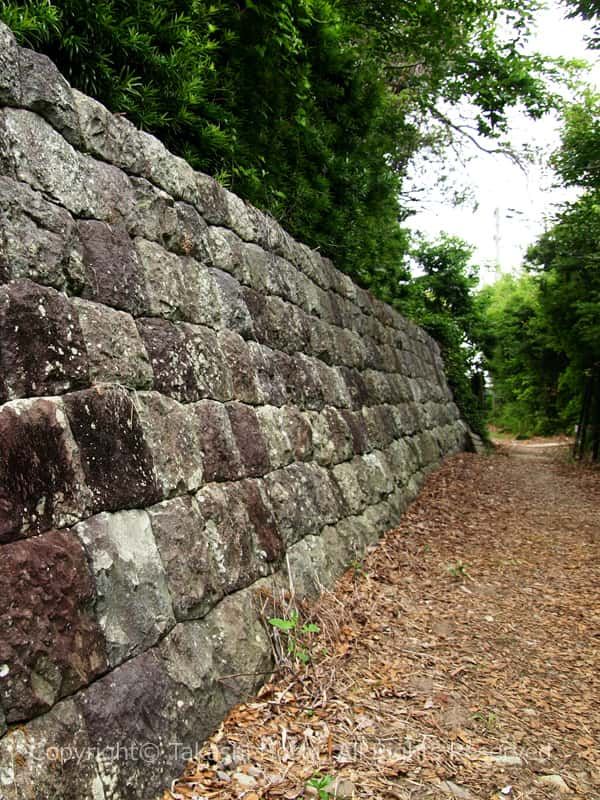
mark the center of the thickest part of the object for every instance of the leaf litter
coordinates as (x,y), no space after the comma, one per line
(459,659)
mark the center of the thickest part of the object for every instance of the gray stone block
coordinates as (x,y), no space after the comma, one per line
(10,81)
(179,529)
(233,312)
(50,758)
(38,240)
(177,288)
(45,91)
(186,359)
(244,378)
(231,541)
(115,351)
(170,431)
(133,605)
(169,172)
(272,425)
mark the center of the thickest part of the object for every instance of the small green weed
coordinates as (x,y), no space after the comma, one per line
(292,630)
(458,570)
(320,783)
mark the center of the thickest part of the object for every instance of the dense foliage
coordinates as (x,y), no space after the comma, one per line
(310,109)
(544,328)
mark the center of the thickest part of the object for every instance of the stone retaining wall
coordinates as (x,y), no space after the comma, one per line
(192,404)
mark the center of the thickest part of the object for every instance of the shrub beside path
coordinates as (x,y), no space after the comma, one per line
(461,656)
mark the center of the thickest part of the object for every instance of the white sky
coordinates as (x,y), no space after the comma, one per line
(509,203)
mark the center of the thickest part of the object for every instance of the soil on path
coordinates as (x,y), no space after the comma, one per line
(462,654)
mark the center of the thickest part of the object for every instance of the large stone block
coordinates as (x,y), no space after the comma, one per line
(50,758)
(237,556)
(381,426)
(45,91)
(115,351)
(169,172)
(352,490)
(331,436)
(335,390)
(249,439)
(304,499)
(38,239)
(133,603)
(41,479)
(33,152)
(140,727)
(300,379)
(233,312)
(211,200)
(110,137)
(357,388)
(265,364)
(179,529)
(186,360)
(41,345)
(10,80)
(113,275)
(51,643)
(358,429)
(178,288)
(272,425)
(244,378)
(170,431)
(115,457)
(220,456)
(298,432)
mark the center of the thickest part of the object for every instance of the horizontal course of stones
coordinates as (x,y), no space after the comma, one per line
(192,407)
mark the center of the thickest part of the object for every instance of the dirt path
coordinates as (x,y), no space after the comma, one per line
(463,654)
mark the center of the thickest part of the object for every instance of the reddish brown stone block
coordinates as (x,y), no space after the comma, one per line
(41,345)
(249,439)
(112,271)
(51,644)
(40,475)
(221,459)
(115,457)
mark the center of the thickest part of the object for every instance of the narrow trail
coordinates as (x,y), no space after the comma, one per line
(462,654)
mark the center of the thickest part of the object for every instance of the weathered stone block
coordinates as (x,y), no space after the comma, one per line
(335,391)
(41,479)
(244,379)
(346,476)
(266,365)
(51,643)
(358,429)
(112,138)
(115,352)
(41,344)
(179,529)
(357,389)
(307,567)
(211,200)
(140,728)
(304,499)
(50,758)
(301,380)
(249,439)
(10,81)
(113,275)
(406,418)
(171,173)
(381,426)
(233,312)
(187,362)
(133,604)
(33,152)
(170,431)
(45,91)
(238,561)
(375,477)
(37,239)
(220,456)
(263,525)
(116,460)
(177,288)
(298,432)
(379,389)
(331,436)
(271,421)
